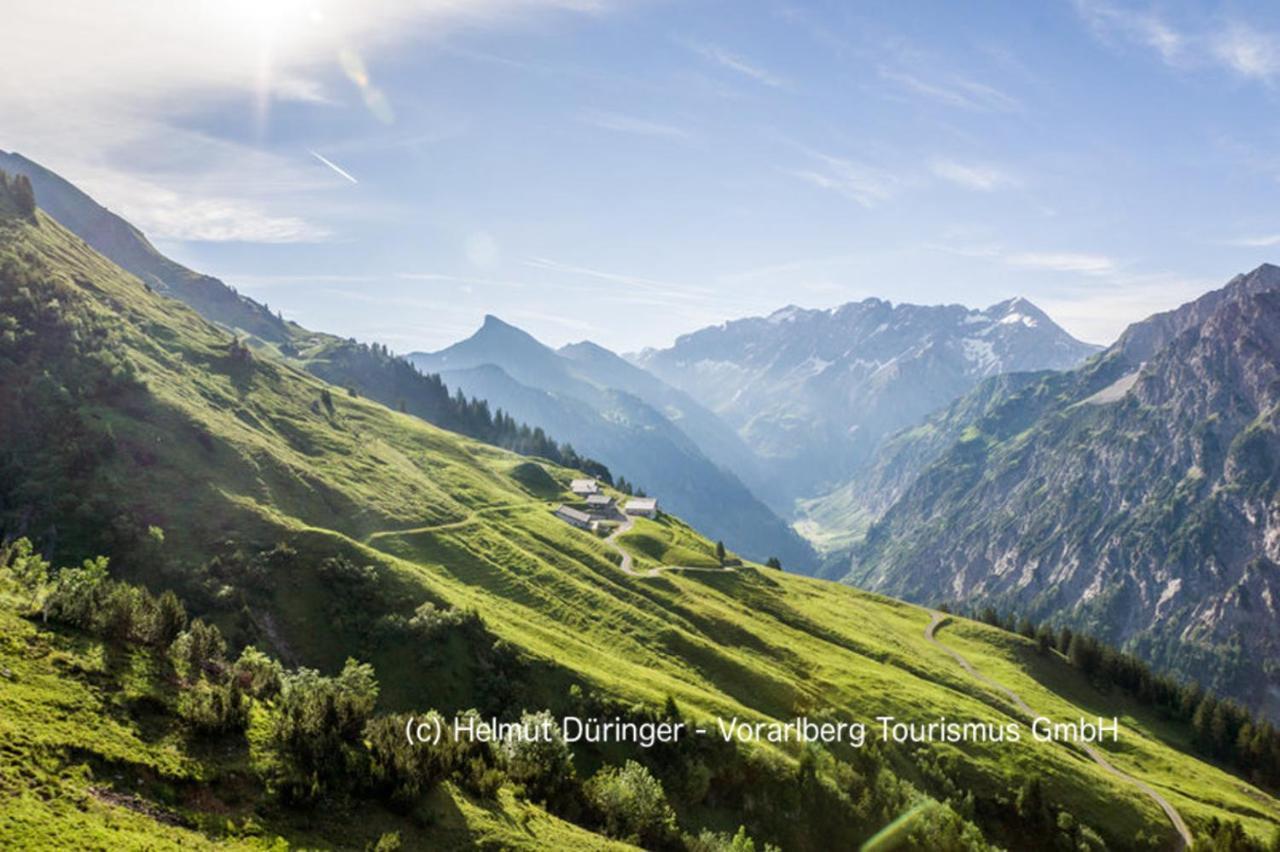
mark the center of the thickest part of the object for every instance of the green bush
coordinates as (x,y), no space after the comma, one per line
(542,764)
(632,805)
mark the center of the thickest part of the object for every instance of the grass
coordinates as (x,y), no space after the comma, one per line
(667,541)
(1150,747)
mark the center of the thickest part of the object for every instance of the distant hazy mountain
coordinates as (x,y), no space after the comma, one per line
(1136,495)
(713,436)
(650,433)
(813,392)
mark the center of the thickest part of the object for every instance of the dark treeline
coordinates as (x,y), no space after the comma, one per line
(1221,729)
(375,371)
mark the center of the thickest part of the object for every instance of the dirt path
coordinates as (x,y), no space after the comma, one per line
(628,564)
(1170,811)
(470,518)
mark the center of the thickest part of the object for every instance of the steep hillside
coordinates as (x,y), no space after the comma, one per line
(641,430)
(320,526)
(115,238)
(359,367)
(1137,498)
(813,392)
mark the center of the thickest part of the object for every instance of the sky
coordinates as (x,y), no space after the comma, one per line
(626,171)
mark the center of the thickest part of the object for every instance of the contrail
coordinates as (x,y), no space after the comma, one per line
(333,166)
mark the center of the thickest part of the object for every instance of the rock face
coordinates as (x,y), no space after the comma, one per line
(1135,496)
(813,392)
(641,428)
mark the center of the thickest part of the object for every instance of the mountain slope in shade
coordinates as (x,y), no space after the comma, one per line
(1137,498)
(120,241)
(712,435)
(813,392)
(574,396)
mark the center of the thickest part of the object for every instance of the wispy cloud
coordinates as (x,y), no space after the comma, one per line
(1088,264)
(1145,28)
(638,126)
(1234,45)
(640,289)
(260,281)
(953,91)
(1248,52)
(469,280)
(1262,241)
(1099,311)
(978,176)
(737,64)
(341,172)
(605,275)
(866,184)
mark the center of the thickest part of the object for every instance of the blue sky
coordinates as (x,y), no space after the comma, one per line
(629,171)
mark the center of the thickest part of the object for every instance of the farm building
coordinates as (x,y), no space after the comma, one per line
(599,504)
(583,487)
(570,515)
(645,506)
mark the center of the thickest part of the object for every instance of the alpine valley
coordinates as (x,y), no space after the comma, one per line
(242,558)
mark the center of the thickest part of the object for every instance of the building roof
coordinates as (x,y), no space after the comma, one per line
(588,485)
(599,500)
(571,514)
(643,504)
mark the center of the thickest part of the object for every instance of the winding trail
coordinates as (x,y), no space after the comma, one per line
(628,564)
(468,519)
(1170,811)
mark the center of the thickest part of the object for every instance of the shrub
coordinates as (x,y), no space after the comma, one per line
(399,770)
(318,723)
(632,805)
(214,708)
(199,650)
(710,841)
(542,764)
(257,674)
(19,560)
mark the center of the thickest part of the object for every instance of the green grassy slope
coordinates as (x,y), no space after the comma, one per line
(230,453)
(83,738)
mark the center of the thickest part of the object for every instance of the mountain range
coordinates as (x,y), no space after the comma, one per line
(1134,496)
(814,392)
(659,438)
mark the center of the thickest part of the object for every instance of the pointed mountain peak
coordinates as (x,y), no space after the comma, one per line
(496,329)
(1022,310)
(1267,274)
(495,323)
(495,342)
